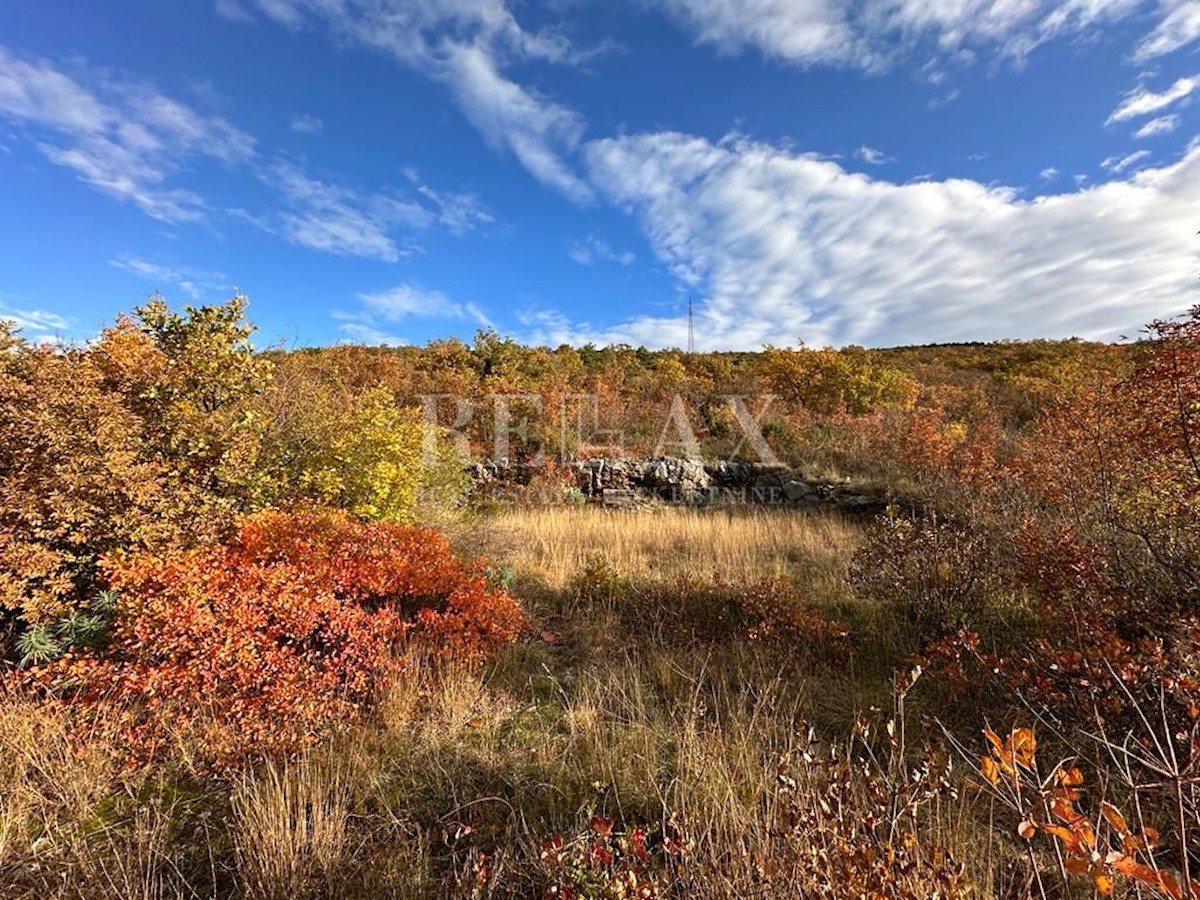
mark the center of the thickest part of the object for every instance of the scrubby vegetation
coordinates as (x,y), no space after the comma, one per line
(261,640)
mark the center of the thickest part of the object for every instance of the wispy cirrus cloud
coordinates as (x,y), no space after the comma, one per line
(336,219)
(1142,101)
(538,131)
(232,10)
(325,215)
(872,35)
(364,334)
(1118,164)
(1160,125)
(466,45)
(1179,27)
(303,123)
(592,250)
(871,156)
(119,136)
(808,32)
(38,325)
(458,211)
(195,283)
(406,302)
(130,141)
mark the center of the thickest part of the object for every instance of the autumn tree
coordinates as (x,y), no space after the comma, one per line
(829,380)
(360,452)
(143,437)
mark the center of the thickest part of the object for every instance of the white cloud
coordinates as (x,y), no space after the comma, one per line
(1048,174)
(1143,102)
(801,31)
(123,138)
(35,324)
(1179,27)
(872,156)
(129,141)
(405,301)
(360,333)
(459,212)
(944,101)
(592,250)
(1161,125)
(232,10)
(1118,164)
(785,247)
(195,283)
(465,44)
(337,219)
(537,131)
(401,303)
(873,33)
(306,124)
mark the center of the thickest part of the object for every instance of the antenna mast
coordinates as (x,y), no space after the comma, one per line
(691,329)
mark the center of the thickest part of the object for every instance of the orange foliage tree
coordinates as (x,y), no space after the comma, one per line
(1120,465)
(141,438)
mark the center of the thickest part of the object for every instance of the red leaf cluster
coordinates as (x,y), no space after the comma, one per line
(258,646)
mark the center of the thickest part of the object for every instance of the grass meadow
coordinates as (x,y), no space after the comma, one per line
(610,713)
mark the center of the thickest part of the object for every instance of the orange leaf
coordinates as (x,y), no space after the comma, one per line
(1103,882)
(1062,808)
(1027,829)
(1069,777)
(1114,818)
(987,768)
(1022,746)
(994,739)
(1068,837)
(1087,834)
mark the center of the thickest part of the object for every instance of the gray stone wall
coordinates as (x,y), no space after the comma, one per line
(667,479)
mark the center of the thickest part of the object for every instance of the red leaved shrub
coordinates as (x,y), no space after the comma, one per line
(257,647)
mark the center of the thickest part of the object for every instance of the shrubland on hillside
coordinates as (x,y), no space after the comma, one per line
(262,638)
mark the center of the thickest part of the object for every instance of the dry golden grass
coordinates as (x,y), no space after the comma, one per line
(732,545)
(72,827)
(45,777)
(290,826)
(609,720)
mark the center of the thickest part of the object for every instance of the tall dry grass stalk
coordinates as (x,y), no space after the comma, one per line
(72,827)
(136,858)
(47,779)
(731,545)
(290,825)
(703,751)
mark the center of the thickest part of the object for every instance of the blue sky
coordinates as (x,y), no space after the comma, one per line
(388,171)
